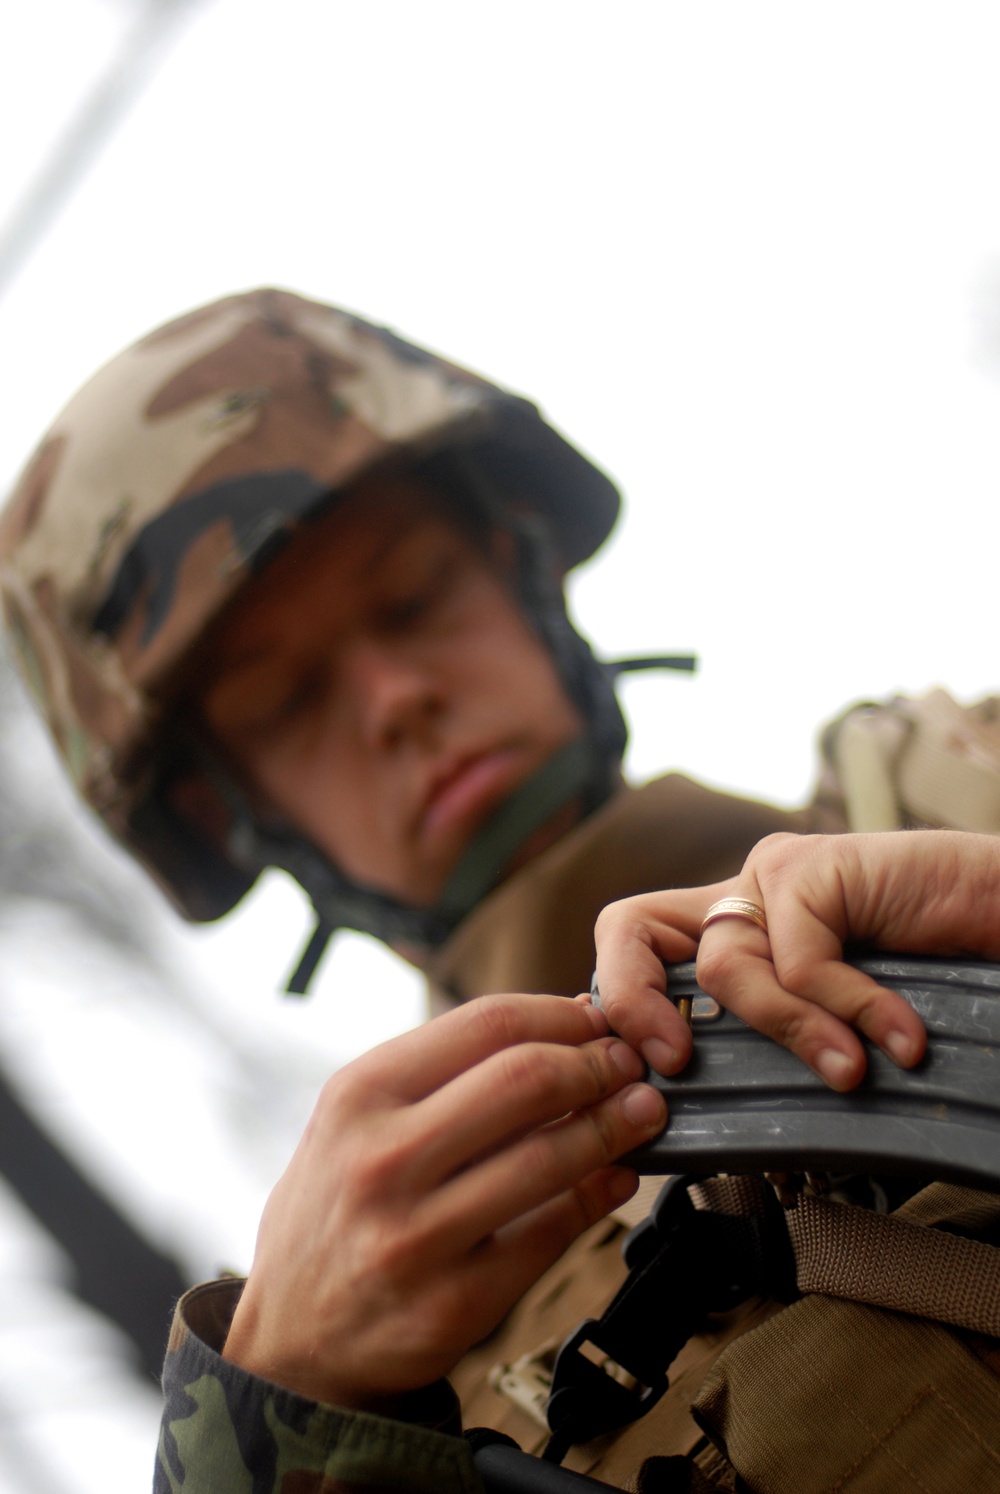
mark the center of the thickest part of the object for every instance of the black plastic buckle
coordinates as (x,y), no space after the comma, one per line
(671,1208)
(587,1396)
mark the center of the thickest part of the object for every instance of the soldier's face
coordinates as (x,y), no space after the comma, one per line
(379,687)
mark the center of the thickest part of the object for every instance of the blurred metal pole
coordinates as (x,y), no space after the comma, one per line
(116,1269)
(88,131)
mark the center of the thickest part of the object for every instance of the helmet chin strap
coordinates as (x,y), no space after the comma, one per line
(575,772)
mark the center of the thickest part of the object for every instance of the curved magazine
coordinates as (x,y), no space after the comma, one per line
(744,1104)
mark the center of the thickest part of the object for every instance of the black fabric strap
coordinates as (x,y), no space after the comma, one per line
(684,663)
(301,977)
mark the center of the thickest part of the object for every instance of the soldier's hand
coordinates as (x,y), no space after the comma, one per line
(925,892)
(439,1176)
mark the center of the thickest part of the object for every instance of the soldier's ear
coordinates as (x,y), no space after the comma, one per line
(198,802)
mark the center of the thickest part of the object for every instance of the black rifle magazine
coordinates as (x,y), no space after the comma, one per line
(746,1105)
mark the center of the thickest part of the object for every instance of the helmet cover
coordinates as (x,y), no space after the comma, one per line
(177,472)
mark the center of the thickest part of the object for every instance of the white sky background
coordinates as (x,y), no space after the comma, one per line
(747,255)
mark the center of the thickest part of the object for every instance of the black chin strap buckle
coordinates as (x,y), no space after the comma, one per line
(683,1263)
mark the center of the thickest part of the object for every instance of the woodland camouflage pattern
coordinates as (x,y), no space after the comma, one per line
(179,468)
(223,1429)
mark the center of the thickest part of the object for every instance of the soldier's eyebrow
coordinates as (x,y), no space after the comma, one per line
(400,530)
(242,653)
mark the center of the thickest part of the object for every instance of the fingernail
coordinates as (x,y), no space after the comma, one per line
(835,1068)
(644,1107)
(660,1056)
(625,1059)
(900,1048)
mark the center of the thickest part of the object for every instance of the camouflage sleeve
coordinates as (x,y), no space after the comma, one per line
(224,1428)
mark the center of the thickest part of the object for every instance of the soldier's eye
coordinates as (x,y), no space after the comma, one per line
(405,610)
(299,695)
(429,591)
(273,706)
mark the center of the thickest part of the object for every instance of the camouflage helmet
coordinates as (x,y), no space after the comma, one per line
(179,470)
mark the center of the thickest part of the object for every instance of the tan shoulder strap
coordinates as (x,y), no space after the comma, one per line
(903,1261)
(888,1261)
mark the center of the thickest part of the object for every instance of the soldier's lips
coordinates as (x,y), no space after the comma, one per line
(466,792)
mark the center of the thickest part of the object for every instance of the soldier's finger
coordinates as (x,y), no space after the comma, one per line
(546,1164)
(810,1000)
(415,1064)
(735,966)
(509,1095)
(807,922)
(652,1025)
(633,939)
(884,1017)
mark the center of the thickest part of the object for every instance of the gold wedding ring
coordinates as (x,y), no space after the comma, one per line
(735,907)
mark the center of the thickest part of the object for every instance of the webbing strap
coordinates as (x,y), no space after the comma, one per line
(900,1261)
(948,1203)
(738,1194)
(887,1261)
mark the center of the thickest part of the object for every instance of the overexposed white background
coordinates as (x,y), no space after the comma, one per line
(747,256)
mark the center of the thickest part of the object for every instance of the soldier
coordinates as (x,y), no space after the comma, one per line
(288,591)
